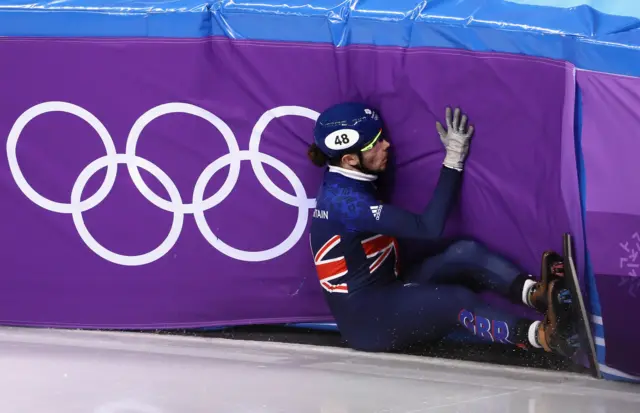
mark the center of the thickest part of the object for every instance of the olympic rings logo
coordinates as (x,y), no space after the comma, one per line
(175,205)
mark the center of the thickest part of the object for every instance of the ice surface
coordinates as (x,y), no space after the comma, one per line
(50,371)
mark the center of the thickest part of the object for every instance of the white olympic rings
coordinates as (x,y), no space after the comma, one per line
(175,205)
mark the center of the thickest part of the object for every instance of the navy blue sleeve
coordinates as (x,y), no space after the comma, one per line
(381,218)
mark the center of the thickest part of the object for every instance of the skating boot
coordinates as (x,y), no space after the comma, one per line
(552,268)
(557,333)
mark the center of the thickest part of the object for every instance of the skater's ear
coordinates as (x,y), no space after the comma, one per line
(350,160)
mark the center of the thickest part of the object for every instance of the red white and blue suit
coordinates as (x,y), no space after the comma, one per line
(380,306)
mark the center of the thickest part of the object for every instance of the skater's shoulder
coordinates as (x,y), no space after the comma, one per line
(344,201)
(338,181)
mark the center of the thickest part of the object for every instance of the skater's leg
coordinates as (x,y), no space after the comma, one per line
(396,316)
(471,264)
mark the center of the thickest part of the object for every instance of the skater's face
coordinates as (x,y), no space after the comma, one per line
(372,160)
(375,159)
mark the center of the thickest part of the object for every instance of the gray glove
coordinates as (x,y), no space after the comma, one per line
(455,139)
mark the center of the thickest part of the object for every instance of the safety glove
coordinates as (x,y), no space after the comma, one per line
(455,139)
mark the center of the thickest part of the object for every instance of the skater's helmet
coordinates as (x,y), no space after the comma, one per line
(347,128)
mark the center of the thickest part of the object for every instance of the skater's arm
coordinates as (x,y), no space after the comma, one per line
(434,216)
(390,220)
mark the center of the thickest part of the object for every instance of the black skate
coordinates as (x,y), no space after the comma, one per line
(566,330)
(551,268)
(557,332)
(573,298)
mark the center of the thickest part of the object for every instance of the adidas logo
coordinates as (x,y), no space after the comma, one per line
(376,210)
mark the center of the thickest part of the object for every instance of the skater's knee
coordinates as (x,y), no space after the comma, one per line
(466,250)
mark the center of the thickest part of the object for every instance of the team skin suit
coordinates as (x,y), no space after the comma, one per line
(379,305)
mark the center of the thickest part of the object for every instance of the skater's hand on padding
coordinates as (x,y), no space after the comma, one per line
(455,139)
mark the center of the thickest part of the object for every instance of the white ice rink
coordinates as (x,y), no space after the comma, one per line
(54,371)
